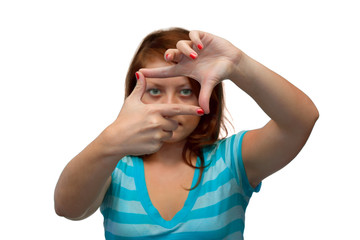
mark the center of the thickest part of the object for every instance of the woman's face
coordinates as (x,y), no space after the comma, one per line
(175,90)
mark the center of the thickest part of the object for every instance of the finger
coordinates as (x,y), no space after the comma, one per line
(195,37)
(164,123)
(165,135)
(170,110)
(173,55)
(169,124)
(161,72)
(204,97)
(185,46)
(140,87)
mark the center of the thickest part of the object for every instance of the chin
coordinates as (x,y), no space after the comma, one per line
(176,139)
(173,140)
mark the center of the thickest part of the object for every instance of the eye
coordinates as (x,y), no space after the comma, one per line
(186,92)
(154,91)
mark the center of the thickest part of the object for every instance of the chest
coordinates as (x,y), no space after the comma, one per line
(168,189)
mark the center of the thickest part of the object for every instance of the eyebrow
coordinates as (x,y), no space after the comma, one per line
(156,85)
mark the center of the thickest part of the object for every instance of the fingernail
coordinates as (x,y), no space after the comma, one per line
(167,56)
(193,55)
(200,46)
(137,76)
(200,111)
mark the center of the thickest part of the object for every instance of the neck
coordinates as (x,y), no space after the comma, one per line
(170,154)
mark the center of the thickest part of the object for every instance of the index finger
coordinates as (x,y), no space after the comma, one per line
(169,110)
(196,36)
(161,72)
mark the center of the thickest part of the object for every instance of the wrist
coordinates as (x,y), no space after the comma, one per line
(109,144)
(242,73)
(237,60)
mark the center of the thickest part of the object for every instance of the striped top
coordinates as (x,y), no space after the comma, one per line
(213,210)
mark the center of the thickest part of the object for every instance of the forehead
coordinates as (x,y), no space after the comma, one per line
(154,63)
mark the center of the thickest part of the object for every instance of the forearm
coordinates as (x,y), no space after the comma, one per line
(83,179)
(285,104)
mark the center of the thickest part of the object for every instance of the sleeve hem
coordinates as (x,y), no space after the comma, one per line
(244,177)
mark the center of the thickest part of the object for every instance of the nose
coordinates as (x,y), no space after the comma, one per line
(171,98)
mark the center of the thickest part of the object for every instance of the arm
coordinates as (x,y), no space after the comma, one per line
(139,129)
(292,113)
(84,181)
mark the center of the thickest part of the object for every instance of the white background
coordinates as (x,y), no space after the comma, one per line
(62,70)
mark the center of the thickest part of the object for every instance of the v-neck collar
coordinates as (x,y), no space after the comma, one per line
(153,213)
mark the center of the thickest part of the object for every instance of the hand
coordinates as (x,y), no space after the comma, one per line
(206,58)
(141,128)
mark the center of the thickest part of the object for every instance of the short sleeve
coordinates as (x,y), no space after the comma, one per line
(231,151)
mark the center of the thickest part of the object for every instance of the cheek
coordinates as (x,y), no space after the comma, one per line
(194,100)
(144,99)
(192,121)
(147,99)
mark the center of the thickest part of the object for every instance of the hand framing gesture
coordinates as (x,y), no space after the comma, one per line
(206,58)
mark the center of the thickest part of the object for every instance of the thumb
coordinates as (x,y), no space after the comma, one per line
(140,87)
(204,97)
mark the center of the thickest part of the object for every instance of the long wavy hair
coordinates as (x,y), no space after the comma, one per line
(208,130)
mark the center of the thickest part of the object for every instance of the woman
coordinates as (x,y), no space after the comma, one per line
(160,170)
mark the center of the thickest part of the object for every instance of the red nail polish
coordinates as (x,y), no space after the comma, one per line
(167,56)
(200,111)
(193,55)
(200,46)
(137,76)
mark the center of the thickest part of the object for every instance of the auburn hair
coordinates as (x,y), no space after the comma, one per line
(208,130)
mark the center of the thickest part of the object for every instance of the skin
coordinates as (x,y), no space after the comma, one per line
(293,114)
(152,128)
(167,176)
(175,90)
(146,125)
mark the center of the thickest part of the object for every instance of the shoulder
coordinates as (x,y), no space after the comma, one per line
(227,154)
(125,167)
(228,151)
(229,147)
(126,162)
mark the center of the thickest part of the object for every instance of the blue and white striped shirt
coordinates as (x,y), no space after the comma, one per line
(213,210)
